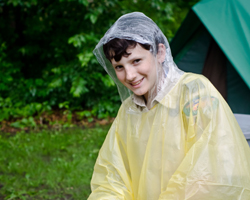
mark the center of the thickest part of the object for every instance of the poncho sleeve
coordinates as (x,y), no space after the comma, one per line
(216,164)
(110,180)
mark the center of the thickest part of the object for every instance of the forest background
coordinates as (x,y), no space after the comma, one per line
(48,73)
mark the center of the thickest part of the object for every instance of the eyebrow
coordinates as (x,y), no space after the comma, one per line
(135,57)
(129,60)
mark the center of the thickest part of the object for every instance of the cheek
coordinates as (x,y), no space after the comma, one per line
(148,69)
(120,76)
(152,70)
(153,74)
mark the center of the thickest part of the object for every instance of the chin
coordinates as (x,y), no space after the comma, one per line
(139,93)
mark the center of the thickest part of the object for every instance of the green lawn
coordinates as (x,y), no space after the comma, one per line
(49,164)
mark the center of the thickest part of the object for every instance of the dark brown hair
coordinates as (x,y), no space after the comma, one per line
(116,48)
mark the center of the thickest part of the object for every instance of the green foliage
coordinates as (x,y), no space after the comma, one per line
(46,52)
(19,110)
(86,114)
(49,164)
(25,122)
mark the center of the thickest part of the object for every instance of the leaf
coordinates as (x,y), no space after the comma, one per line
(85,113)
(90,119)
(77,40)
(33,91)
(56,83)
(107,80)
(39,81)
(31,122)
(56,70)
(93,18)
(78,87)
(84,2)
(64,104)
(38,107)
(84,58)
(4,114)
(17,125)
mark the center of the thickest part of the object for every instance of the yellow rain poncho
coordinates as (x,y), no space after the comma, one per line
(187,146)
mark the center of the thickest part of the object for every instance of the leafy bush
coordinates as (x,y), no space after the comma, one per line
(46,52)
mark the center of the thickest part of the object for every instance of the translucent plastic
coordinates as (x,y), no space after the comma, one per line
(138,27)
(188,146)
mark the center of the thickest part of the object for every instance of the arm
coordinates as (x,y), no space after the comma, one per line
(217,161)
(110,180)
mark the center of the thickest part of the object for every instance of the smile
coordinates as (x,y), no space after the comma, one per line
(137,83)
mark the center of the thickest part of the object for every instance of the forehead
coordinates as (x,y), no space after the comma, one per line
(134,53)
(137,49)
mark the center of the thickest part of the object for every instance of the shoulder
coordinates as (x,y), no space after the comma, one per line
(188,86)
(190,80)
(198,94)
(126,105)
(197,85)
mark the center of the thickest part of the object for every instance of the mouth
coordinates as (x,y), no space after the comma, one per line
(134,84)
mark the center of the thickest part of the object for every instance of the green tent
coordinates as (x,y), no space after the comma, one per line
(214,40)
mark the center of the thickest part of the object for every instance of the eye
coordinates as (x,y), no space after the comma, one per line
(136,61)
(118,67)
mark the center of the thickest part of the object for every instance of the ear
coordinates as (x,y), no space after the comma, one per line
(161,53)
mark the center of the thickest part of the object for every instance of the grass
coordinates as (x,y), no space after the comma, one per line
(49,164)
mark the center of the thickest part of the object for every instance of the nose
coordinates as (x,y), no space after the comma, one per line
(130,73)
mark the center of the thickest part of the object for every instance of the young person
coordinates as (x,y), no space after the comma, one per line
(174,136)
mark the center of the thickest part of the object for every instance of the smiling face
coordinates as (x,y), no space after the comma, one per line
(137,71)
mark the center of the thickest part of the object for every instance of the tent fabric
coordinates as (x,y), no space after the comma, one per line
(243,121)
(238,93)
(189,26)
(193,59)
(228,23)
(215,68)
(192,56)
(190,48)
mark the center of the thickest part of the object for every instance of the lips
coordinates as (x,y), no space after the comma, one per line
(137,82)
